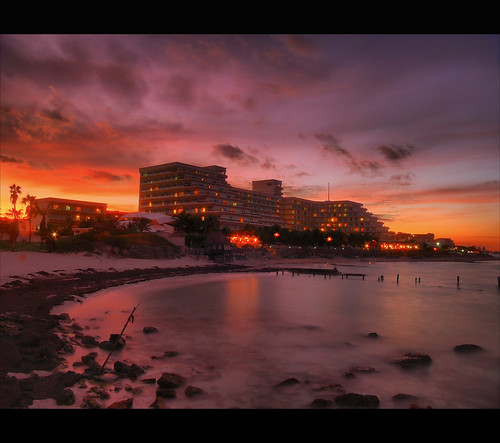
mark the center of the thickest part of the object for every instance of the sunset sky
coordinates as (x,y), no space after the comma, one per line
(408,125)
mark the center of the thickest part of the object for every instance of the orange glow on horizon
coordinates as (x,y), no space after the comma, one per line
(80,114)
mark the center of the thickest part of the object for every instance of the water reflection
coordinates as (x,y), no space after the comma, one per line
(254,331)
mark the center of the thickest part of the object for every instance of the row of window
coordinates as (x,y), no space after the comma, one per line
(74,208)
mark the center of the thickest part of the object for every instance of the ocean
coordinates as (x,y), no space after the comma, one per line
(238,335)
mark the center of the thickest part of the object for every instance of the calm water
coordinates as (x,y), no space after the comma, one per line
(238,335)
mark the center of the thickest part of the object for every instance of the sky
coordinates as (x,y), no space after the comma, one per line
(407,125)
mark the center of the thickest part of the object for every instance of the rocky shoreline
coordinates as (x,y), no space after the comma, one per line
(28,331)
(28,338)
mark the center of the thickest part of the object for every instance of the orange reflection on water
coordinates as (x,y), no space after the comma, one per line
(241,303)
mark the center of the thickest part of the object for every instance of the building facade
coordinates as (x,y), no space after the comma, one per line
(344,215)
(176,187)
(60,211)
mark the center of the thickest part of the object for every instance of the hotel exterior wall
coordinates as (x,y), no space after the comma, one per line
(60,211)
(344,215)
(176,187)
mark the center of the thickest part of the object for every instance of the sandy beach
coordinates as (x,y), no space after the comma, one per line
(26,265)
(14,265)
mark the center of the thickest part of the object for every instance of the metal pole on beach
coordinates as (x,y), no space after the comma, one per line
(129,319)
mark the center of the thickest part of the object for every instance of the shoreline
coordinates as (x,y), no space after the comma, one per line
(28,337)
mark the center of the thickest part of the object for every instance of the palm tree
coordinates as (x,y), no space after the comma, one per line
(143,224)
(31,208)
(14,194)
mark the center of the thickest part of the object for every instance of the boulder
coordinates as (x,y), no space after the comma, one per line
(170,380)
(358,400)
(122,404)
(192,391)
(332,387)
(90,402)
(66,397)
(89,341)
(166,393)
(288,382)
(115,342)
(158,403)
(410,360)
(467,348)
(89,359)
(321,403)
(121,367)
(99,392)
(404,397)
(132,371)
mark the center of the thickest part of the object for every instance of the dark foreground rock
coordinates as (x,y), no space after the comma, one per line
(170,380)
(467,348)
(20,393)
(357,400)
(411,360)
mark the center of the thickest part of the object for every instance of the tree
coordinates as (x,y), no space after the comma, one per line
(4,227)
(188,223)
(13,232)
(14,194)
(142,224)
(210,223)
(31,209)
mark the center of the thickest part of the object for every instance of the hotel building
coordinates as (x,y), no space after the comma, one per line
(176,187)
(344,215)
(61,211)
(172,188)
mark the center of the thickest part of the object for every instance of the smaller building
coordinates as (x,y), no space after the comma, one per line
(61,211)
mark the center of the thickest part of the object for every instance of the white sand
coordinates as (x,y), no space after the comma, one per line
(21,264)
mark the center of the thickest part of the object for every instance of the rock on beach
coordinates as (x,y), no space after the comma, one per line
(467,348)
(171,380)
(358,400)
(412,359)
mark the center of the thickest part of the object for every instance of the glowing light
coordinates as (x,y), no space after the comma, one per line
(241,240)
(398,246)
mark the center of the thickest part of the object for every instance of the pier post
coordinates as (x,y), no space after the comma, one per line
(397,279)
